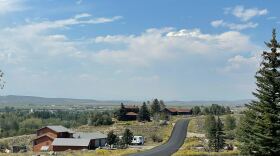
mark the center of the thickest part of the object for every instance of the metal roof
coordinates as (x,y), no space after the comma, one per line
(71,142)
(95,135)
(59,128)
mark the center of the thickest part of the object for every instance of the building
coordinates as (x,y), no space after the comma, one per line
(46,135)
(176,111)
(131,116)
(131,112)
(59,138)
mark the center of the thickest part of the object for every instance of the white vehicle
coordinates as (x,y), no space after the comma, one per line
(136,140)
(139,140)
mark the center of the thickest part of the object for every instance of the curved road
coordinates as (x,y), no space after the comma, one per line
(174,143)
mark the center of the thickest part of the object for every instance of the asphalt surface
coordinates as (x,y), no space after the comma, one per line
(175,141)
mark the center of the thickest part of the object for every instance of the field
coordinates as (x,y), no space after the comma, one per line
(195,141)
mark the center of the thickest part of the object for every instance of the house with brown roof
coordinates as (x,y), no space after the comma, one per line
(131,112)
(59,138)
(46,135)
(177,111)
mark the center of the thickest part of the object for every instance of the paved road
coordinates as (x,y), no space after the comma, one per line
(174,143)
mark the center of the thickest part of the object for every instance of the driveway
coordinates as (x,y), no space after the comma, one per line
(175,141)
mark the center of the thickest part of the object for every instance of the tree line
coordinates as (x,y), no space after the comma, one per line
(18,122)
(146,111)
(214,109)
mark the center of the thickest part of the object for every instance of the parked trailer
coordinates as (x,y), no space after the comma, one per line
(136,140)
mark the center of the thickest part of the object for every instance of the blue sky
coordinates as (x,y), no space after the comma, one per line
(136,50)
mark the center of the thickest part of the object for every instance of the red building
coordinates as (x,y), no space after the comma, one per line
(46,135)
(59,138)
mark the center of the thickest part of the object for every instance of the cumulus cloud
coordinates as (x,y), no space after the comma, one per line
(246,14)
(233,26)
(167,44)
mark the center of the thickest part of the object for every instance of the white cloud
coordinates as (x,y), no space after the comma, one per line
(83,15)
(246,14)
(217,23)
(7,6)
(167,44)
(233,26)
(242,64)
(64,23)
(32,41)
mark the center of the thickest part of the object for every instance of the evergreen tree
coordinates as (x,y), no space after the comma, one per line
(127,137)
(210,128)
(121,113)
(155,107)
(111,138)
(1,80)
(220,141)
(206,111)
(162,104)
(228,111)
(230,122)
(144,114)
(196,110)
(260,128)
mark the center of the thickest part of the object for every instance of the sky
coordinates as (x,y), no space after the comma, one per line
(134,50)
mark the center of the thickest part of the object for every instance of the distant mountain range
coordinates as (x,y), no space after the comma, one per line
(18,100)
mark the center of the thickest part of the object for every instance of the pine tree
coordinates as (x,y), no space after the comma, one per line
(220,141)
(196,110)
(121,113)
(155,107)
(127,137)
(144,114)
(230,122)
(259,132)
(111,138)
(210,128)
(161,104)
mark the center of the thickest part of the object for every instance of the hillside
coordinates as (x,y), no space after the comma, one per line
(24,100)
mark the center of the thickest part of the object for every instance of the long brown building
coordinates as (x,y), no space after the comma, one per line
(59,138)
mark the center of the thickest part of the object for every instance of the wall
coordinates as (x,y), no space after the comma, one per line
(64,148)
(47,131)
(43,141)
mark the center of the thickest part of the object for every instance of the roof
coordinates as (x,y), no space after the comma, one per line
(58,128)
(131,113)
(183,110)
(95,135)
(174,110)
(71,142)
(44,135)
